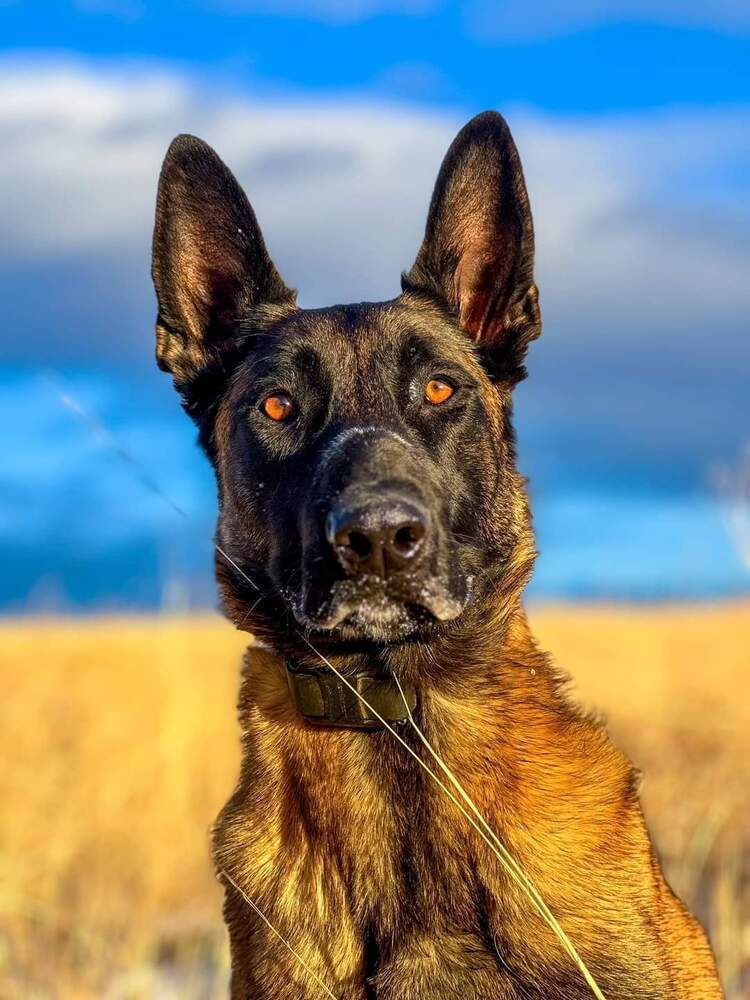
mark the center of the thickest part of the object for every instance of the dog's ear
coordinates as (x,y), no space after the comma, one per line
(210,268)
(477,258)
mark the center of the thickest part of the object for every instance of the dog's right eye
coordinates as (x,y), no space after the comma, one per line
(438,391)
(278,407)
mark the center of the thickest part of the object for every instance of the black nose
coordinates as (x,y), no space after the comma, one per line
(379,539)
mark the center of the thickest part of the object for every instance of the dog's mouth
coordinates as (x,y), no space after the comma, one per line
(373,609)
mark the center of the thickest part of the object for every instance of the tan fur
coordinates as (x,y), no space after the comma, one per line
(336,835)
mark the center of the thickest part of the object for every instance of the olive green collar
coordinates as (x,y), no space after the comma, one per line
(325,700)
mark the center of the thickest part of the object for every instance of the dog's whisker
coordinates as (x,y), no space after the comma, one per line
(463,537)
(233,564)
(249,611)
(487,575)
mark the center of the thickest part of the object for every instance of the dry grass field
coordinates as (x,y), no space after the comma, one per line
(118,744)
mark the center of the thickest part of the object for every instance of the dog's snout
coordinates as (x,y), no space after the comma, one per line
(379,539)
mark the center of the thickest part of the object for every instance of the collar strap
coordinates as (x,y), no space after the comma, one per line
(324,700)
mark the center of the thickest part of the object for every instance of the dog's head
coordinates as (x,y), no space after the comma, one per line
(364,453)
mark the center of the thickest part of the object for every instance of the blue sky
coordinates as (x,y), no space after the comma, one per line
(580,56)
(633,120)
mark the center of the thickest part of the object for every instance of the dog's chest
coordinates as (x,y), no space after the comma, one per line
(403,859)
(388,867)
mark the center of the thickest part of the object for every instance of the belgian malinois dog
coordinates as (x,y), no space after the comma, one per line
(374,536)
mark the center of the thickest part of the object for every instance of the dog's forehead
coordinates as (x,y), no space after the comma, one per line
(352,340)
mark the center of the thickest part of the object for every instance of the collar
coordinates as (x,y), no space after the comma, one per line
(324,700)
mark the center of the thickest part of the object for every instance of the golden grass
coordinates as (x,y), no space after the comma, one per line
(119,743)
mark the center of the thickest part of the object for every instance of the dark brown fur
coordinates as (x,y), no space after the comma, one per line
(349,849)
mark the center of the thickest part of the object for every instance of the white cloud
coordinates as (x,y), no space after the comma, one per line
(341,188)
(640,239)
(517,19)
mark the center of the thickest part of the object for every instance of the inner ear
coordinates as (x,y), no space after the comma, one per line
(210,265)
(477,257)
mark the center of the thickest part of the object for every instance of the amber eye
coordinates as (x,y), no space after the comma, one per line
(278,407)
(438,391)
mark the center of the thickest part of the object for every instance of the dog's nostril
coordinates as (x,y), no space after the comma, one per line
(379,539)
(359,543)
(408,537)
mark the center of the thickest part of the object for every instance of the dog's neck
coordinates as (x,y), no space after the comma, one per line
(363,687)
(359,697)
(473,689)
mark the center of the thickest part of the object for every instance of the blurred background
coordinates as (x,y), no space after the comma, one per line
(633,123)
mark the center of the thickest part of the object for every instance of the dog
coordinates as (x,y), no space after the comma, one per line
(374,537)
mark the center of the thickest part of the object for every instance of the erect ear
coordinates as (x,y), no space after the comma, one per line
(210,268)
(477,257)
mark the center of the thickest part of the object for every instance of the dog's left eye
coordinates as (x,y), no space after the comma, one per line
(437,391)
(278,406)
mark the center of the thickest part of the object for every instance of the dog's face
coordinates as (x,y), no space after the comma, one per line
(364,453)
(349,448)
